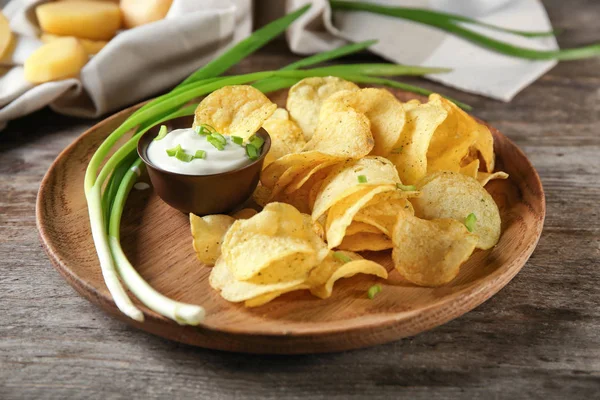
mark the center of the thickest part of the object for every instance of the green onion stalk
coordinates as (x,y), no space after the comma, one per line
(451,23)
(120,171)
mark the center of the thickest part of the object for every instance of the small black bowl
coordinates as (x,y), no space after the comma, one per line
(202,194)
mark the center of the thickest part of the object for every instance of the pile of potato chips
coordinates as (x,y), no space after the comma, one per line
(349,170)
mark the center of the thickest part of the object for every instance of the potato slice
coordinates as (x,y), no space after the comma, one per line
(207,234)
(6,35)
(305,99)
(62,58)
(141,12)
(84,19)
(91,47)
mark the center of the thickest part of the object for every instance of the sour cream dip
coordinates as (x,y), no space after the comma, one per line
(233,156)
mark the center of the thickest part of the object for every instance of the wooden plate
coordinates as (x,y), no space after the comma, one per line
(157,240)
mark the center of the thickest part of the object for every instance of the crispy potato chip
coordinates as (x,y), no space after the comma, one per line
(485,177)
(261,195)
(366,241)
(361,227)
(234,110)
(455,137)
(278,244)
(208,232)
(343,134)
(471,169)
(342,213)
(234,290)
(283,171)
(454,195)
(412,103)
(410,153)
(322,278)
(299,199)
(267,297)
(430,253)
(280,113)
(385,113)
(383,210)
(342,181)
(244,213)
(286,138)
(318,173)
(305,99)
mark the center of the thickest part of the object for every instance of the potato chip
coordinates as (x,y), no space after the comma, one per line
(430,253)
(234,290)
(286,138)
(343,134)
(261,195)
(317,173)
(361,227)
(267,297)
(471,169)
(280,113)
(455,137)
(305,99)
(244,213)
(278,244)
(385,113)
(299,199)
(454,195)
(383,210)
(342,181)
(283,171)
(207,233)
(334,267)
(342,213)
(366,241)
(234,110)
(485,177)
(410,153)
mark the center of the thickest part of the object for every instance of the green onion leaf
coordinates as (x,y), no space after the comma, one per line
(200,154)
(173,151)
(161,133)
(406,188)
(252,152)
(397,150)
(257,141)
(338,255)
(237,140)
(215,142)
(373,290)
(204,129)
(181,155)
(470,222)
(362,179)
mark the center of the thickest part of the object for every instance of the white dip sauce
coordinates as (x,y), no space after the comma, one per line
(233,156)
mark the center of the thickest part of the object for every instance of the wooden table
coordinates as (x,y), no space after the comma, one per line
(538,338)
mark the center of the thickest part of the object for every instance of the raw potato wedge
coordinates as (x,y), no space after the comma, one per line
(91,47)
(59,59)
(5,35)
(141,12)
(96,20)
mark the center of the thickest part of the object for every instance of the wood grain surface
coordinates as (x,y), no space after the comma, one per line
(538,338)
(157,240)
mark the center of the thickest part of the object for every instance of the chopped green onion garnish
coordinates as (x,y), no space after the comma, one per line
(220,138)
(237,140)
(171,152)
(215,142)
(406,188)
(200,154)
(252,151)
(470,222)
(162,132)
(373,290)
(257,141)
(397,150)
(362,179)
(338,255)
(181,155)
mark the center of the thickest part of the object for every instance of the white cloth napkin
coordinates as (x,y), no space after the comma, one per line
(136,64)
(475,69)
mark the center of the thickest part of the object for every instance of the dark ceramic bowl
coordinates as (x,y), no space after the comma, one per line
(202,194)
